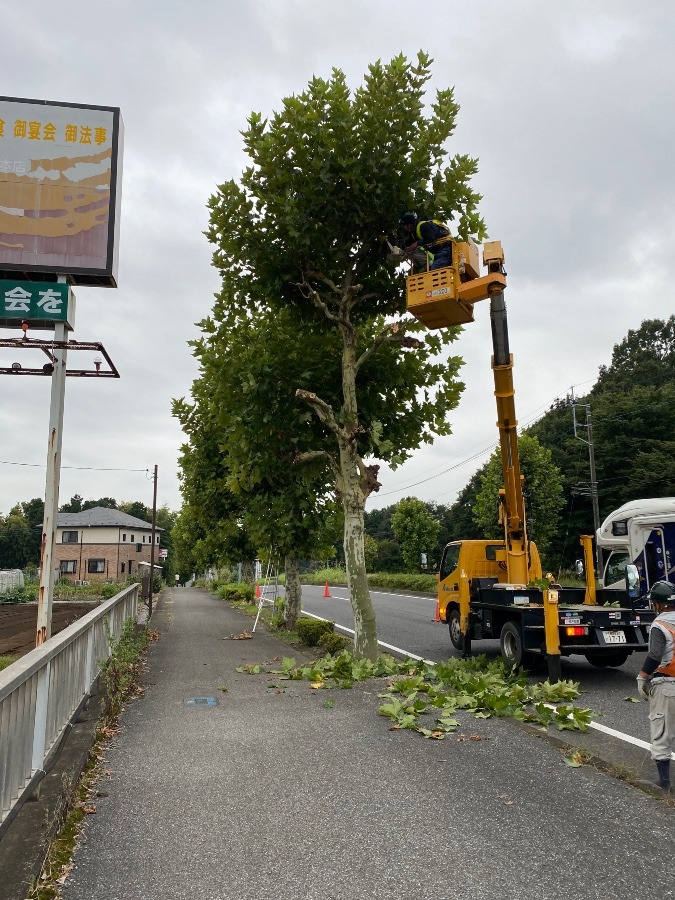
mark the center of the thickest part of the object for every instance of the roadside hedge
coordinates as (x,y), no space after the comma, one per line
(386,580)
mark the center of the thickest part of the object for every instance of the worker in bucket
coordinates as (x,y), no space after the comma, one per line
(428,235)
(656,681)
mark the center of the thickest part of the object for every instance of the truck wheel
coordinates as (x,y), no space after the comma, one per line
(511,645)
(455,634)
(604,660)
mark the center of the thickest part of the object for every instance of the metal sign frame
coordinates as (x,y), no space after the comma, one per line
(48,347)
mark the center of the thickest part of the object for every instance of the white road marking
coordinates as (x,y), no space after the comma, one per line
(629,739)
(612,732)
(379,643)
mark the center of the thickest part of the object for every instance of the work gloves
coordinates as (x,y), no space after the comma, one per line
(643,687)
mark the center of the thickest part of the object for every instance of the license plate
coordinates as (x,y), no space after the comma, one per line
(572,620)
(615,637)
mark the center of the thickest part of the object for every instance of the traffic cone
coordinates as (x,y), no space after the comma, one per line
(257,591)
(326,591)
(437,617)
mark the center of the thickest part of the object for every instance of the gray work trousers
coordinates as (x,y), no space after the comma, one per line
(662,718)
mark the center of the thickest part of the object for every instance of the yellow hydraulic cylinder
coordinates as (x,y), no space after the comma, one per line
(512,504)
(586,541)
(551,622)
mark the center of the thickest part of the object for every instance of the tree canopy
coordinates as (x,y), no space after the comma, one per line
(543,493)
(304,233)
(416,530)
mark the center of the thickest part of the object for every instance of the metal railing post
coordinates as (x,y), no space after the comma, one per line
(41,711)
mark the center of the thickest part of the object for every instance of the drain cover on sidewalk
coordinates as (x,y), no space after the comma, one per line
(200,701)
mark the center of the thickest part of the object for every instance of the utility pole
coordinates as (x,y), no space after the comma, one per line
(46,589)
(594,480)
(152,542)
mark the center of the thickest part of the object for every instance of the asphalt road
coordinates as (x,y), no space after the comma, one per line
(407,622)
(276,791)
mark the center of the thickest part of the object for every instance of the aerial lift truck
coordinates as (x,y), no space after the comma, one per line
(495,589)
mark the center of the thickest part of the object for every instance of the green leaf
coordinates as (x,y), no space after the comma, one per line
(432,734)
(250,668)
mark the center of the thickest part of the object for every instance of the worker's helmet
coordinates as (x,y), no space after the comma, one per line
(663,593)
(409,218)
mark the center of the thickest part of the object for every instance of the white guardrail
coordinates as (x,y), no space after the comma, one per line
(43,691)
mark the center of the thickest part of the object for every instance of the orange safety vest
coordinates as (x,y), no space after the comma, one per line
(669,668)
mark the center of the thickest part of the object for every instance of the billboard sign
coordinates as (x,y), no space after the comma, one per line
(40,303)
(60,188)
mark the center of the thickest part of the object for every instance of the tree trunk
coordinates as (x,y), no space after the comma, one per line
(247,570)
(293,592)
(353,504)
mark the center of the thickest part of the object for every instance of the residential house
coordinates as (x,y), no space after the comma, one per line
(102,544)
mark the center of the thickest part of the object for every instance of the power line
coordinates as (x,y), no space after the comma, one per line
(530,418)
(4,462)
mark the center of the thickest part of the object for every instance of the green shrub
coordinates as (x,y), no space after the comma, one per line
(236,593)
(334,643)
(19,595)
(7,661)
(332,576)
(388,580)
(310,631)
(403,582)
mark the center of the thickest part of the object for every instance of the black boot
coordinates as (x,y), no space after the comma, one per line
(663,766)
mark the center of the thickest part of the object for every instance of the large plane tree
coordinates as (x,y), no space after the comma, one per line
(305,229)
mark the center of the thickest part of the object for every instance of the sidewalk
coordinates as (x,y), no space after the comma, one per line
(269,793)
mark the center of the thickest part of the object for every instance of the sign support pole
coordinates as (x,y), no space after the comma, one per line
(152,544)
(46,590)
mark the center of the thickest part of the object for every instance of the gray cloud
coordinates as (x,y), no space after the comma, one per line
(567,106)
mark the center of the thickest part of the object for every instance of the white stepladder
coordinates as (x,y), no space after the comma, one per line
(268,591)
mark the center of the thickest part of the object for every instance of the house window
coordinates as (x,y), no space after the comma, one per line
(96,566)
(132,538)
(68,567)
(124,537)
(122,568)
(139,547)
(69,537)
(143,538)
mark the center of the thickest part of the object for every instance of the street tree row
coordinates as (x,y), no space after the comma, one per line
(310,370)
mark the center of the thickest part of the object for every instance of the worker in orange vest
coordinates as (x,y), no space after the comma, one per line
(656,681)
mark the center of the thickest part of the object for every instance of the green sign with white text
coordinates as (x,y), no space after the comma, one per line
(41,303)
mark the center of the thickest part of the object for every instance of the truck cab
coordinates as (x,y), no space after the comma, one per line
(641,533)
(472,562)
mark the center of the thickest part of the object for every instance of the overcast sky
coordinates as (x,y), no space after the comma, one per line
(568,106)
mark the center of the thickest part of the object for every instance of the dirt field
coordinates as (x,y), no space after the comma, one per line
(18,623)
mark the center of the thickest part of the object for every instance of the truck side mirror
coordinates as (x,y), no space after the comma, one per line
(632,581)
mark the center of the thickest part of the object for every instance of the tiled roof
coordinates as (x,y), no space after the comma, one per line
(101,516)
